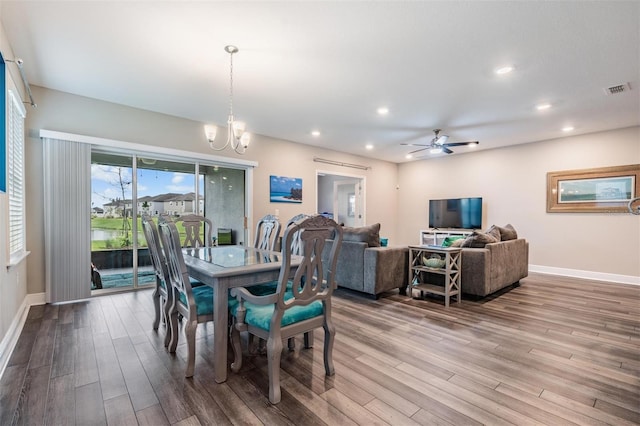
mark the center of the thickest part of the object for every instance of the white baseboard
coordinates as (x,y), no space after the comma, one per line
(589,275)
(8,343)
(36,299)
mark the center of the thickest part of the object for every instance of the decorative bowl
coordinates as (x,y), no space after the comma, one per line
(433,261)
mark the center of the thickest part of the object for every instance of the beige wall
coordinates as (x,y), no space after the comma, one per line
(68,113)
(512,182)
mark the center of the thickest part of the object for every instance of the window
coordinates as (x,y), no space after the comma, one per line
(15,173)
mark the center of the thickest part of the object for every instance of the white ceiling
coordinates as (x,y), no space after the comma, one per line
(330,65)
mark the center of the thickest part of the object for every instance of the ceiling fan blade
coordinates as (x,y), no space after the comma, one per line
(441,140)
(413,144)
(447,150)
(417,150)
(462,143)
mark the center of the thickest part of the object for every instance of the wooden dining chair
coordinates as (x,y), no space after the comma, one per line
(296,244)
(299,305)
(198,230)
(161,295)
(195,304)
(267,233)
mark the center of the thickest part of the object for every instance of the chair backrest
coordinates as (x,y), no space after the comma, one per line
(177,270)
(314,278)
(267,233)
(196,228)
(155,250)
(296,244)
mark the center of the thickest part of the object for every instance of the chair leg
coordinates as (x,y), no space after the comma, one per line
(291,343)
(173,324)
(157,300)
(190,333)
(166,308)
(329,335)
(308,339)
(274,352)
(234,335)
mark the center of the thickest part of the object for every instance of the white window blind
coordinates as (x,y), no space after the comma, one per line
(15,171)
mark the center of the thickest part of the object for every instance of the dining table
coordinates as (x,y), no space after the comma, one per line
(225,267)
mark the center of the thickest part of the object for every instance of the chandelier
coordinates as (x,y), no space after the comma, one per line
(237,138)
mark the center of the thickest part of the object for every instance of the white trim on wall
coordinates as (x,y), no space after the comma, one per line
(588,275)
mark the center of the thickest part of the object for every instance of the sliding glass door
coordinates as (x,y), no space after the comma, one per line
(124,187)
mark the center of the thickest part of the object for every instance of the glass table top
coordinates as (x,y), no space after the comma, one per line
(233,256)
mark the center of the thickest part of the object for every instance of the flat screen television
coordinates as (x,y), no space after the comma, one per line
(463,213)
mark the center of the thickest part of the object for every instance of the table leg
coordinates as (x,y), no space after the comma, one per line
(220,332)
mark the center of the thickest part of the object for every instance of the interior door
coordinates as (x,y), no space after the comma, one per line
(347,202)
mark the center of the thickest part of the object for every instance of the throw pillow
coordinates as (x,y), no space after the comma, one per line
(507,232)
(479,239)
(494,231)
(458,243)
(449,240)
(365,234)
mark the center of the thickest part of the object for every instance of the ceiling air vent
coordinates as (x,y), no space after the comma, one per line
(620,88)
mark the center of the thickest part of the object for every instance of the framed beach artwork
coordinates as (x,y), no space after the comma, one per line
(599,190)
(285,189)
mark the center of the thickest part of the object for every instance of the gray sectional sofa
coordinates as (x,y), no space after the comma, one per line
(493,260)
(365,266)
(494,267)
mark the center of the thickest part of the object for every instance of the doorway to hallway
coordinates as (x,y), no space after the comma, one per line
(341,197)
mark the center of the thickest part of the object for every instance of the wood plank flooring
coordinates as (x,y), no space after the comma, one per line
(553,351)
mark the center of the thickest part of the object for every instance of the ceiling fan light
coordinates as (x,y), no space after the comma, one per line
(435,150)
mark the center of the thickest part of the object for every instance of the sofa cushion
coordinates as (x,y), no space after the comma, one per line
(507,232)
(479,239)
(364,234)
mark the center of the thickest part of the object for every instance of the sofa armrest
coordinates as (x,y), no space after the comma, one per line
(385,268)
(509,262)
(349,268)
(476,270)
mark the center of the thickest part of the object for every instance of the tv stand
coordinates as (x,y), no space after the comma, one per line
(436,236)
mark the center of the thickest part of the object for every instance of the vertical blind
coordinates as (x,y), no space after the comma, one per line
(15,167)
(67,192)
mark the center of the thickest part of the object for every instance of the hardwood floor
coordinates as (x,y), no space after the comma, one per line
(551,351)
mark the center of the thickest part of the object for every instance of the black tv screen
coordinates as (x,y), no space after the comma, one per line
(464,213)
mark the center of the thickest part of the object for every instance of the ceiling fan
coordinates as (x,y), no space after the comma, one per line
(439,144)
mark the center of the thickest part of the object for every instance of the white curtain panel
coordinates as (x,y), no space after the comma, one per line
(67,193)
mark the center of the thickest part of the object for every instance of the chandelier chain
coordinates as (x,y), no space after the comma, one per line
(231,85)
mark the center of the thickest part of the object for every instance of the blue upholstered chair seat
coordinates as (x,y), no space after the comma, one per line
(260,315)
(203,296)
(195,283)
(267,288)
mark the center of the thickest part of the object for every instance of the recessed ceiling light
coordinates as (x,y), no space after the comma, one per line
(504,70)
(408,156)
(567,128)
(315,133)
(369,146)
(541,107)
(383,111)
